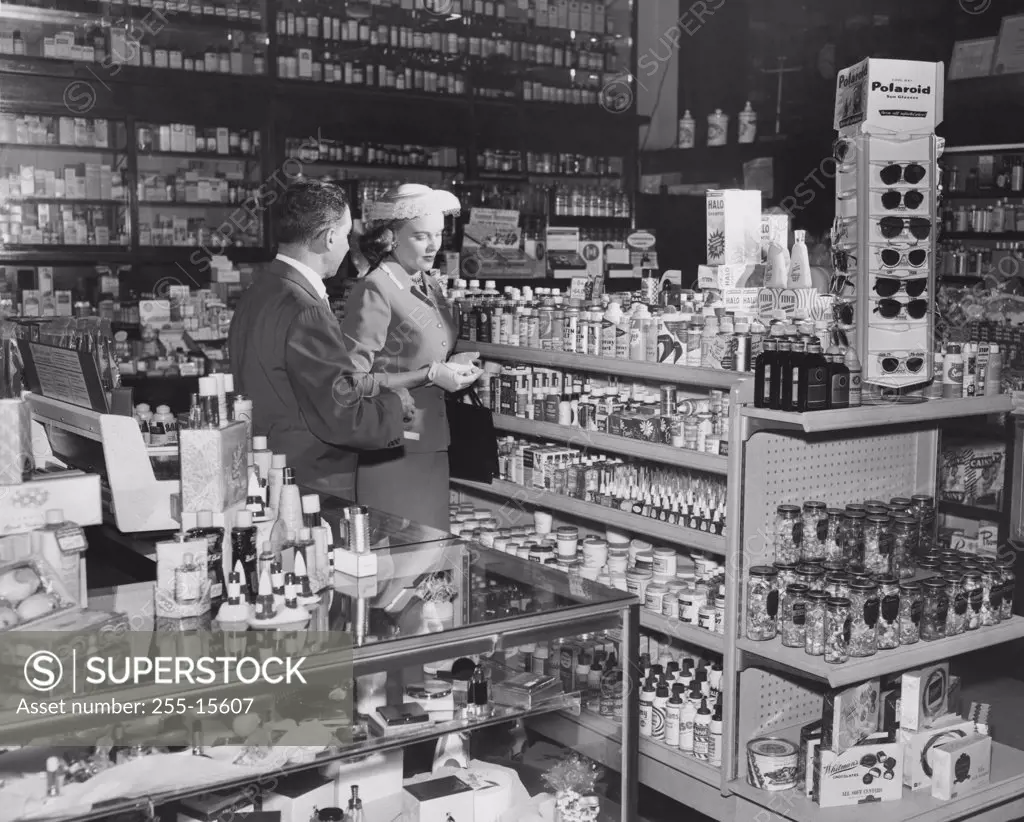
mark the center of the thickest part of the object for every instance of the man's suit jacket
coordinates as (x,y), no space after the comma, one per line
(392,326)
(287,355)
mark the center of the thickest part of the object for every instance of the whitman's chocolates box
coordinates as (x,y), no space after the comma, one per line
(871,771)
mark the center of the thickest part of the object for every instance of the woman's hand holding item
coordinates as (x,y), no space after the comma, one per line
(408,403)
(465,358)
(452,377)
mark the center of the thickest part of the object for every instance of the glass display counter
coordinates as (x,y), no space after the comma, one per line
(371,643)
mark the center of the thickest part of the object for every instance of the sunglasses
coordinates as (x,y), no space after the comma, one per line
(893,199)
(910,173)
(890,309)
(844,150)
(843,312)
(893,257)
(842,259)
(888,286)
(913,365)
(892,227)
(840,282)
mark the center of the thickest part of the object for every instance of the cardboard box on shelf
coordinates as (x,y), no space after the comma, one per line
(961,766)
(439,800)
(298,796)
(973,472)
(924,696)
(868,772)
(918,748)
(878,96)
(733,227)
(849,715)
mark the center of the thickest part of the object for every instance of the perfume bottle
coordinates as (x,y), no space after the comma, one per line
(479,697)
(355,807)
(243,549)
(188,581)
(208,405)
(53,776)
(197,739)
(214,537)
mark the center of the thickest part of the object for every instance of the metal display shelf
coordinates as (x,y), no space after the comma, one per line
(682,631)
(594,440)
(906,657)
(655,372)
(535,497)
(873,416)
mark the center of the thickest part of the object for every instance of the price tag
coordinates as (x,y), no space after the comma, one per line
(70,538)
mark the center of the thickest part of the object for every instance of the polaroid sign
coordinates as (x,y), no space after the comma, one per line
(889,97)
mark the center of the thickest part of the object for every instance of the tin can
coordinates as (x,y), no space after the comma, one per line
(357,521)
(668,400)
(741,358)
(771,764)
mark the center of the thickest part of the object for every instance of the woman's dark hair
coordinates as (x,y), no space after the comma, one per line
(377,243)
(306,208)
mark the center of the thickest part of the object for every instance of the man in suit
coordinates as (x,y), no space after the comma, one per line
(287,349)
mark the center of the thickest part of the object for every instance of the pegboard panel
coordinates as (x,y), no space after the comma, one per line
(783,469)
(770,702)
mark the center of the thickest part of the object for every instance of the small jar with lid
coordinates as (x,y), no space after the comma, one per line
(911,611)
(956,620)
(904,545)
(814,530)
(670,602)
(974,590)
(794,615)
(812,575)
(665,561)
(990,609)
(706,618)
(853,536)
(637,582)
(568,538)
(762,603)
(901,503)
(936,609)
(928,565)
(814,627)
(595,552)
(864,608)
(787,574)
(618,560)
(888,612)
(838,630)
(523,551)
(923,509)
(838,584)
(654,597)
(877,545)
(1007,584)
(689,605)
(787,534)
(644,560)
(834,535)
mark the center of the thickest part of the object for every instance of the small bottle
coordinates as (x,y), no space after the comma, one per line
(747,124)
(53,776)
(953,373)
(715,736)
(702,732)
(813,385)
(718,128)
(839,382)
(673,716)
(355,807)
(195,413)
(479,699)
(244,551)
(687,137)
(933,390)
(659,713)
(852,363)
(647,696)
(687,717)
(188,578)
(765,365)
(208,403)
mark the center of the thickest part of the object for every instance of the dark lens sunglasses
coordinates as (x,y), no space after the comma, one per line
(841,260)
(893,199)
(887,286)
(890,365)
(911,173)
(843,313)
(890,309)
(892,257)
(892,227)
(843,149)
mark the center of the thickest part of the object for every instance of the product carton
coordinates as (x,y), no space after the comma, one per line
(961,766)
(298,796)
(182,580)
(439,800)
(868,772)
(849,715)
(918,747)
(889,96)
(810,740)
(213,467)
(733,227)
(924,697)
(720,277)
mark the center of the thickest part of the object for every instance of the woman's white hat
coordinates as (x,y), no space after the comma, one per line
(408,202)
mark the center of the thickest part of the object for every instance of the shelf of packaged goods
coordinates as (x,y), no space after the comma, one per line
(683,631)
(984,235)
(72,254)
(179,204)
(521,495)
(859,669)
(192,155)
(596,441)
(656,372)
(62,201)
(381,167)
(58,147)
(1002,800)
(870,416)
(991,194)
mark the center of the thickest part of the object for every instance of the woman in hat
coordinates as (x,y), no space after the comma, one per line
(397,328)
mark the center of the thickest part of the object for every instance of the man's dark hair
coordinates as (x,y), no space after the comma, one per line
(306,208)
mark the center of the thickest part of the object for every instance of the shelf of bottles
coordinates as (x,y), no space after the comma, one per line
(454,46)
(62,183)
(209,37)
(198,186)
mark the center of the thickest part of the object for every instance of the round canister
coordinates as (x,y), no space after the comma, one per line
(771,764)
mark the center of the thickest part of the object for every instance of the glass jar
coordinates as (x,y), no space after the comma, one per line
(853,536)
(811,575)
(838,630)
(974,590)
(654,597)
(928,565)
(814,628)
(833,535)
(787,574)
(935,613)
(888,613)
(901,503)
(877,544)
(689,605)
(904,545)
(991,612)
(864,608)
(911,608)
(794,616)
(1007,584)
(923,508)
(762,603)
(787,533)
(834,566)
(956,619)
(814,531)
(838,584)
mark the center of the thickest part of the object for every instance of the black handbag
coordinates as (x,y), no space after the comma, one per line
(473,452)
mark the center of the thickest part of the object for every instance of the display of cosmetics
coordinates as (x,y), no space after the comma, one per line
(588,664)
(76,181)
(328,65)
(176,230)
(608,405)
(1000,259)
(669,495)
(591,201)
(1003,216)
(985,179)
(32,130)
(688,588)
(190,186)
(967,370)
(190,139)
(572,164)
(61,224)
(371,154)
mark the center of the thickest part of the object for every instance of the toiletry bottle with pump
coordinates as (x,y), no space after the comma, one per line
(243,549)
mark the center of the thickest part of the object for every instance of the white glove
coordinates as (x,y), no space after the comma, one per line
(452,377)
(465,358)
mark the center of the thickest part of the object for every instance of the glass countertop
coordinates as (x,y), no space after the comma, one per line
(386,530)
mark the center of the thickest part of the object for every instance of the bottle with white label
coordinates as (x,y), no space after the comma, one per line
(647,695)
(687,131)
(686,718)
(673,715)
(718,128)
(659,713)
(748,124)
(799,263)
(609,327)
(702,732)
(715,736)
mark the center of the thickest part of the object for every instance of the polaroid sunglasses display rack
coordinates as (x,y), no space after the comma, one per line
(886,201)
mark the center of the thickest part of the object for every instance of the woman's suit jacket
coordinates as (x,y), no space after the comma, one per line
(392,326)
